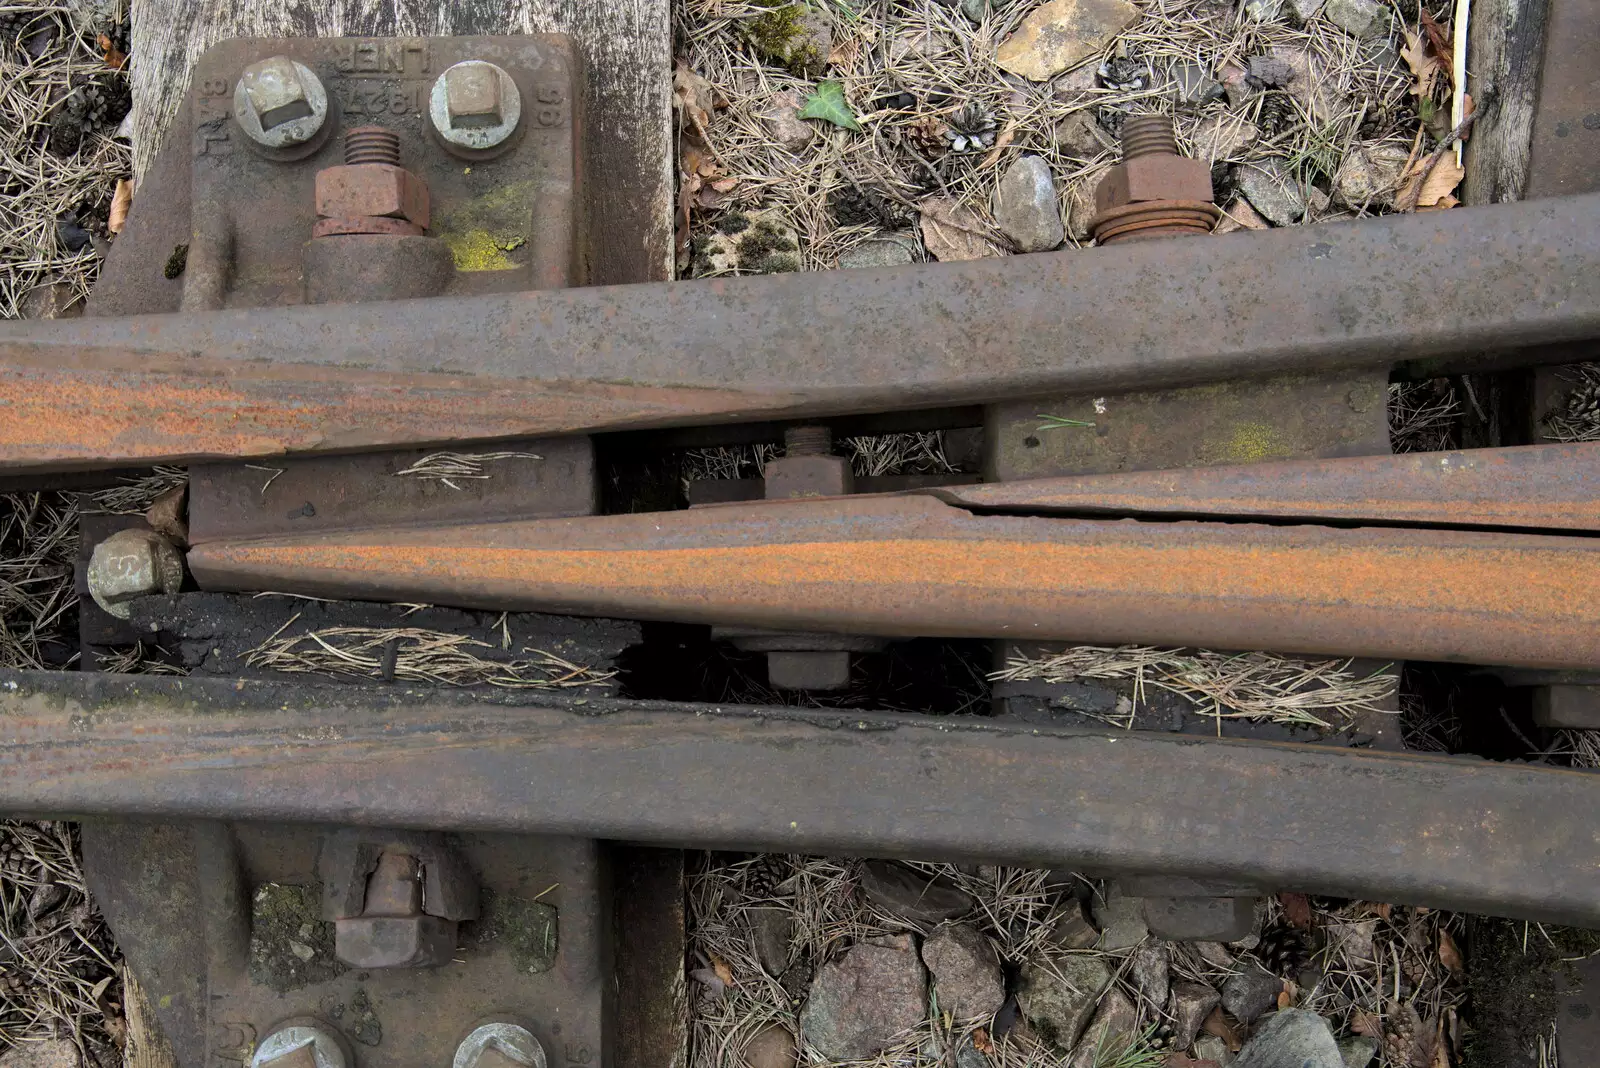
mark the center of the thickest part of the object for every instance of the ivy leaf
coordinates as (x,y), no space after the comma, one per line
(828,104)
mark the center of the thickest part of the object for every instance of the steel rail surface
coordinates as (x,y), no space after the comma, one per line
(1459,834)
(263,382)
(911,566)
(1533,487)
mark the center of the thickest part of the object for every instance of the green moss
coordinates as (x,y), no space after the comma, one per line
(767,249)
(781,35)
(176,262)
(291,946)
(734,222)
(529,929)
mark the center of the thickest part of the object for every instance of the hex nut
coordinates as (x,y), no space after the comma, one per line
(300,1044)
(1154,177)
(132,563)
(394,941)
(475,105)
(372,189)
(809,670)
(279,103)
(493,1045)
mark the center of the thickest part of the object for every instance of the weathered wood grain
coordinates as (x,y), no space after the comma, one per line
(626,45)
(1504,53)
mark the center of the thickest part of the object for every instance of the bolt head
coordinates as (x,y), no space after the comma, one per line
(300,1045)
(279,103)
(475,105)
(499,1045)
(129,564)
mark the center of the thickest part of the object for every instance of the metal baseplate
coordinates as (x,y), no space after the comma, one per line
(357,276)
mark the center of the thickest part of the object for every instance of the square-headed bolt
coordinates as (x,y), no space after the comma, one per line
(472,96)
(352,190)
(394,941)
(279,102)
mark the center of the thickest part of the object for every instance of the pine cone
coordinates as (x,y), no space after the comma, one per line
(1277,113)
(1283,950)
(13,858)
(764,874)
(859,207)
(1124,75)
(1112,118)
(107,101)
(1584,401)
(971,128)
(12,986)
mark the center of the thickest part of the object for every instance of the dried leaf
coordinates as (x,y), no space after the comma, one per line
(952,233)
(829,105)
(1367,1024)
(1007,135)
(121,201)
(981,1043)
(1449,955)
(1381,909)
(724,972)
(1217,1024)
(1439,38)
(1296,909)
(708,977)
(1438,184)
(1285,999)
(115,58)
(1441,1048)
(692,94)
(1424,65)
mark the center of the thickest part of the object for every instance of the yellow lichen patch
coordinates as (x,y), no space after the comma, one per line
(478,250)
(483,231)
(1246,443)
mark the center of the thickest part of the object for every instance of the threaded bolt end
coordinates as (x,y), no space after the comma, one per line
(1148,135)
(372,144)
(807,441)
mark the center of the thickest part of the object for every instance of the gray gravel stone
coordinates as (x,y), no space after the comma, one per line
(910,895)
(888,250)
(1370,175)
(1250,992)
(772,929)
(1191,1004)
(1080,136)
(51,1053)
(1358,1051)
(1305,10)
(1112,1030)
(1072,930)
(771,1047)
(1196,85)
(1361,18)
(1273,191)
(1058,1006)
(1120,918)
(966,971)
(1025,206)
(861,1002)
(1150,967)
(1291,1038)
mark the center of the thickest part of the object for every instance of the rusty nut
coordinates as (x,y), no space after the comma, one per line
(1154,177)
(380,190)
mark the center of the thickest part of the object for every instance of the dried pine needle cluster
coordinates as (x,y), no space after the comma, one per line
(58,964)
(919,76)
(413,654)
(1283,689)
(48,52)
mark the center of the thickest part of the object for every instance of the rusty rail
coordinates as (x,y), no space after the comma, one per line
(252,383)
(1531,487)
(1463,834)
(914,566)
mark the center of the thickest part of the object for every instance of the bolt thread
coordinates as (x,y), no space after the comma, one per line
(372,144)
(1148,135)
(807,441)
